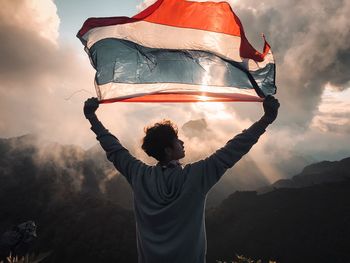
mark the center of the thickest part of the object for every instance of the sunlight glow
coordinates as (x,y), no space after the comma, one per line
(333,110)
(44,19)
(212,110)
(258,155)
(203,98)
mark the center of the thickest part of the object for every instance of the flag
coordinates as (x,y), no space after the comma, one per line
(177,51)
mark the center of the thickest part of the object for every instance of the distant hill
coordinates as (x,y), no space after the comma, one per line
(317,173)
(310,224)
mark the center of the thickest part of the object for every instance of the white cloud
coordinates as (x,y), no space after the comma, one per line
(333,113)
(35,79)
(144,4)
(37,16)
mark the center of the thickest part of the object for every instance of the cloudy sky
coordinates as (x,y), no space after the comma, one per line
(45,76)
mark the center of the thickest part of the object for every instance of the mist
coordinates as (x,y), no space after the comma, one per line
(44,83)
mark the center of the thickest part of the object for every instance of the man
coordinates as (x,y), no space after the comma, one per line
(169,200)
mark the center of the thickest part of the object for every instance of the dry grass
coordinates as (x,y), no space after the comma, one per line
(28,258)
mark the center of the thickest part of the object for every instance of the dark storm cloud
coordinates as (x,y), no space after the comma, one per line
(25,54)
(310,41)
(36,74)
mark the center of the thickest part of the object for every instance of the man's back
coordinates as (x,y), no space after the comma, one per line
(169,201)
(169,213)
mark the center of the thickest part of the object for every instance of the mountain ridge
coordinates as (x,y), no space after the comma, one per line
(316,173)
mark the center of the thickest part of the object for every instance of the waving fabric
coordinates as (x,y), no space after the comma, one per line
(177,51)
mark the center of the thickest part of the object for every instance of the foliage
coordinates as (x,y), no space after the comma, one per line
(243,259)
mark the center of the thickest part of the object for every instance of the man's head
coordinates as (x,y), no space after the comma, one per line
(162,143)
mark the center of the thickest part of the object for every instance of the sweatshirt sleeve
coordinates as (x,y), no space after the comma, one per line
(207,172)
(122,160)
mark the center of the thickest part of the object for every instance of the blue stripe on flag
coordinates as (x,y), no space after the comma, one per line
(122,61)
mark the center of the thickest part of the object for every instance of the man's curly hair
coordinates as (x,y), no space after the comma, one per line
(158,137)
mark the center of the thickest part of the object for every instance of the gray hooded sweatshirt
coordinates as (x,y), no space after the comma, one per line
(169,202)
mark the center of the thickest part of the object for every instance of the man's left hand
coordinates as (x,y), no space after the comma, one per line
(90,106)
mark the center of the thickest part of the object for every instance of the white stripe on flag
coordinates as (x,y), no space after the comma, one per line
(125,90)
(168,37)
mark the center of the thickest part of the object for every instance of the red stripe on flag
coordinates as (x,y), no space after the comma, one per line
(207,16)
(188,97)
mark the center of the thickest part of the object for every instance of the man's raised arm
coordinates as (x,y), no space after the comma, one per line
(210,170)
(123,161)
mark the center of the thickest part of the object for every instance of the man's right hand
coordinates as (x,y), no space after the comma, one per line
(90,106)
(271,106)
